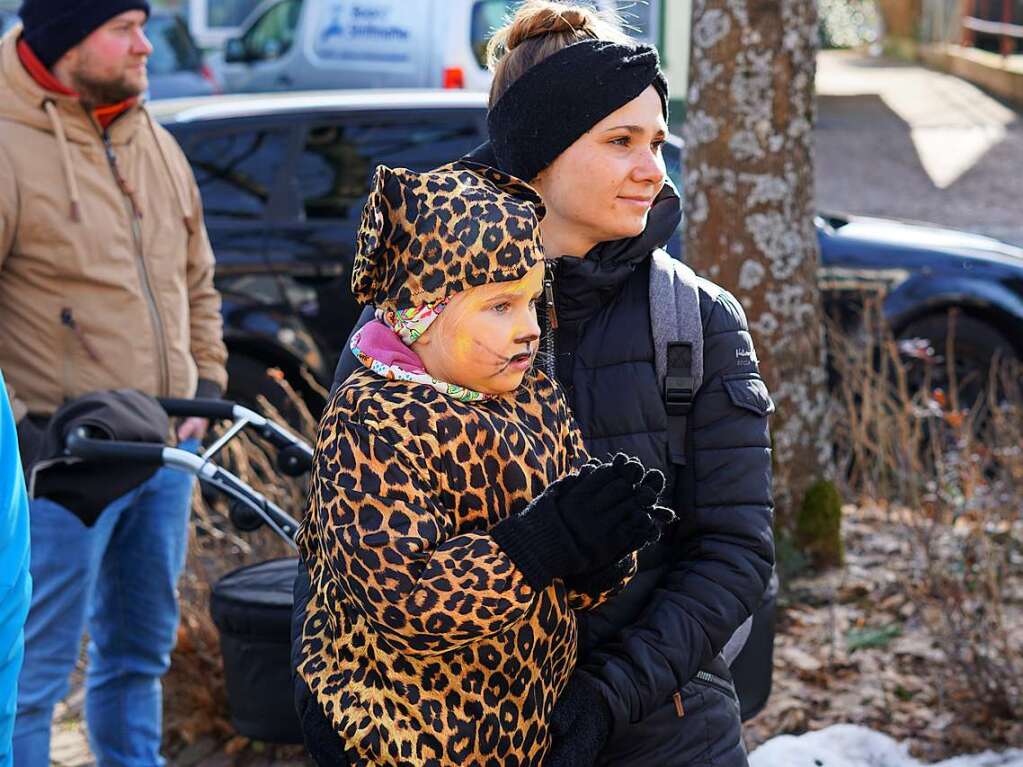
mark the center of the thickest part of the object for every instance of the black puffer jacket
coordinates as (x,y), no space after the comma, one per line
(655,646)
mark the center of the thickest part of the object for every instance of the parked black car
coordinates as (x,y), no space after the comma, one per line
(284,177)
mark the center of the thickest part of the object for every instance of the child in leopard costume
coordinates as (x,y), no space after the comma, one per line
(454,523)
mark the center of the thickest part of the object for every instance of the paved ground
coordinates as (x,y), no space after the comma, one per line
(894,140)
(902,141)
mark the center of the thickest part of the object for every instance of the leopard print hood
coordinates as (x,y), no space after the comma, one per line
(425,236)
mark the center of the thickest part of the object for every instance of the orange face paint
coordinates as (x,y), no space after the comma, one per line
(486,337)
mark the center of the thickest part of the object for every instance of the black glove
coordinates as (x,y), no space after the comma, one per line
(581,523)
(595,582)
(580,724)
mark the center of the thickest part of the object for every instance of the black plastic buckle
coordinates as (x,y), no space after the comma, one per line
(678,395)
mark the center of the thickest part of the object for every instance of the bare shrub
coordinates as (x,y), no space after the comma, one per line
(951,473)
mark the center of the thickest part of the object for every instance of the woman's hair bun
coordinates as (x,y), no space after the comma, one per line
(546,26)
(550,18)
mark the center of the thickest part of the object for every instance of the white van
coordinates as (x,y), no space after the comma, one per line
(323,44)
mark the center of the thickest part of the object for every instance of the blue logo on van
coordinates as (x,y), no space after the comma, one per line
(366,34)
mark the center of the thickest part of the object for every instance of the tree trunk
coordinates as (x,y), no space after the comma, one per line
(749,196)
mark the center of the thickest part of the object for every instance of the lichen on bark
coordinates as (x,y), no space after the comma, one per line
(749,199)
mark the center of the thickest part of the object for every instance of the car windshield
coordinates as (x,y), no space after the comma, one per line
(173,49)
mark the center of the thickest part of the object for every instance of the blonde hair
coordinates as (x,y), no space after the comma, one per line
(539,29)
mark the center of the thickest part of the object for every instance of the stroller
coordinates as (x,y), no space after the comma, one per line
(251,606)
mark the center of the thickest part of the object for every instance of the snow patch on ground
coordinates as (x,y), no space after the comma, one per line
(849,745)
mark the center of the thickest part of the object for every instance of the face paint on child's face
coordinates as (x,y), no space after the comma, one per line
(487,337)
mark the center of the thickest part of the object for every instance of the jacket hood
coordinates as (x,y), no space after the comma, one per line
(585,284)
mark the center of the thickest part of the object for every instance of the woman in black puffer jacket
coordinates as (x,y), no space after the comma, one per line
(581,112)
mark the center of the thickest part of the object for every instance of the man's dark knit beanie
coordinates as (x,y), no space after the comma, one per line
(53,27)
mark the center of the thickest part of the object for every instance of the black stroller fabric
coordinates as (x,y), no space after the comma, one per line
(252,609)
(85,488)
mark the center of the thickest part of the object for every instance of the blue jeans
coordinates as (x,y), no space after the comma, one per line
(119,580)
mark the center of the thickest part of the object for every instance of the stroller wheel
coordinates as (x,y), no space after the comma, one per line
(244,518)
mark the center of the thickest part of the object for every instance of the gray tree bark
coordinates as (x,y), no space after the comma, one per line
(749,194)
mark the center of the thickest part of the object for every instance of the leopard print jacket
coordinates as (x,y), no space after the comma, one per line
(422,642)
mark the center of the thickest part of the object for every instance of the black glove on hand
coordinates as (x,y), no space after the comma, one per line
(583,522)
(580,724)
(595,582)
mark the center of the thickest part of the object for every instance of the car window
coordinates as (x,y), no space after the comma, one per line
(173,49)
(236,171)
(228,13)
(337,163)
(487,16)
(273,34)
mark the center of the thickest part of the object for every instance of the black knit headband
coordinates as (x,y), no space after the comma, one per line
(558,100)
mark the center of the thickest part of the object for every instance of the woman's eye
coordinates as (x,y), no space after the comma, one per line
(621,140)
(657,145)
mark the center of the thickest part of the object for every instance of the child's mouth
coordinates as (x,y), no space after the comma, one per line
(521,361)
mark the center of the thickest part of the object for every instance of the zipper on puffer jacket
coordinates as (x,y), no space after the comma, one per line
(548,321)
(704,678)
(713,680)
(135,215)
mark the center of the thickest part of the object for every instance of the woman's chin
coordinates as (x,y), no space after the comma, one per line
(626,226)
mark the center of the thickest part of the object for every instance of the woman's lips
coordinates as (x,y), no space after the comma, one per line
(639,202)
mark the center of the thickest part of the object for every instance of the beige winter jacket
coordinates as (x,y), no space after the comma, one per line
(106,272)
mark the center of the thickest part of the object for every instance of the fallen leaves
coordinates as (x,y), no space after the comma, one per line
(852,647)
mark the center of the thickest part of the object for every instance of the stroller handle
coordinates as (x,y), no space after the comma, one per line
(87,448)
(295,457)
(214,409)
(82,446)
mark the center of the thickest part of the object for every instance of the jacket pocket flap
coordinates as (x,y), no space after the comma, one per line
(750,393)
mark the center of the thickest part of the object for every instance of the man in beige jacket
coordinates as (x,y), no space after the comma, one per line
(106,281)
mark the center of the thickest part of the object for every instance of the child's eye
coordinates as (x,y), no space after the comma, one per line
(501,308)
(532,303)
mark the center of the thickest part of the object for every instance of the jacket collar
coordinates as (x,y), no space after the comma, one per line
(585,284)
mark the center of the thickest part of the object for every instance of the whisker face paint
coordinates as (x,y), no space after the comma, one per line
(486,338)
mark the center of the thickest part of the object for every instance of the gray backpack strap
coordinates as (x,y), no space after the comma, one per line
(677,330)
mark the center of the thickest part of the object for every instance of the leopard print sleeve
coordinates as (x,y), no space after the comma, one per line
(389,546)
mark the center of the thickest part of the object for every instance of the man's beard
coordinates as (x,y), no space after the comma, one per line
(101,93)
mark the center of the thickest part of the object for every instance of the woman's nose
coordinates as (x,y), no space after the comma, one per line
(649,168)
